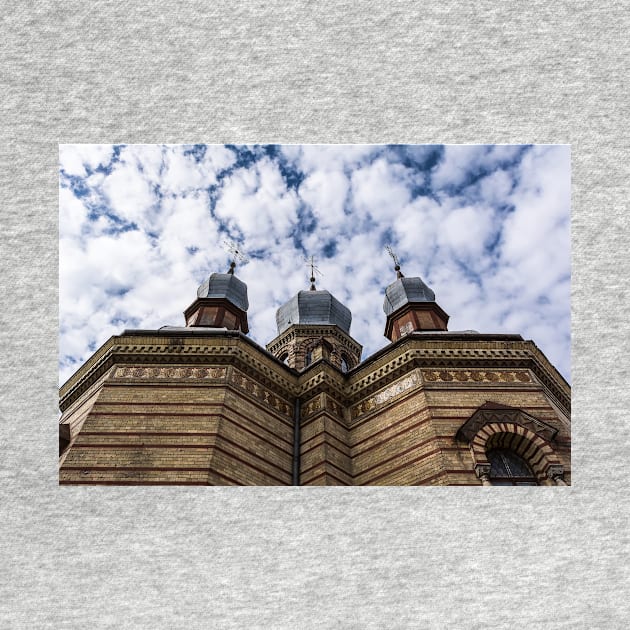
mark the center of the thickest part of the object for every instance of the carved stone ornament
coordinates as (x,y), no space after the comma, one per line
(257,391)
(482,470)
(554,471)
(143,372)
(493,412)
(385,395)
(312,406)
(334,406)
(476,376)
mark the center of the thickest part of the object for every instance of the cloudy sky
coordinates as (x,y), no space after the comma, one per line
(486,227)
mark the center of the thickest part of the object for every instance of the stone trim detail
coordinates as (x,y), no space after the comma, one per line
(252,388)
(138,372)
(442,363)
(555,472)
(477,376)
(312,406)
(333,406)
(385,395)
(322,402)
(483,472)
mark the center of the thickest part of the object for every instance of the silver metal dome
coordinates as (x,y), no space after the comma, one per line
(406,290)
(313,307)
(225,285)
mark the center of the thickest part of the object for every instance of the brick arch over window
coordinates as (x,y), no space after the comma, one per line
(535,450)
(499,426)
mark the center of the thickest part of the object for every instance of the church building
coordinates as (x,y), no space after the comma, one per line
(203,404)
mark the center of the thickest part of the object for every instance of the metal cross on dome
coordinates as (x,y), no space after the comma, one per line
(390,251)
(310,262)
(237,254)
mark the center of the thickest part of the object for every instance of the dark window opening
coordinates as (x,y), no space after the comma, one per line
(509,469)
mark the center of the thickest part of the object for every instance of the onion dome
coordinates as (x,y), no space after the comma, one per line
(410,306)
(313,307)
(404,291)
(225,286)
(221,303)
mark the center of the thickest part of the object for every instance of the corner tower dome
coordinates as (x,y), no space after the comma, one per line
(406,290)
(313,307)
(221,303)
(410,307)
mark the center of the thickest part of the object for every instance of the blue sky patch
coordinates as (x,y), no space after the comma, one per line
(459,216)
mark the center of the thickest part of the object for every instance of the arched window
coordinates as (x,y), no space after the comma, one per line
(284,357)
(308,358)
(509,469)
(345,365)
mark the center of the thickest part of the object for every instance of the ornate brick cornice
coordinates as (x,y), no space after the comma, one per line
(322,377)
(461,361)
(384,396)
(443,362)
(179,351)
(305,330)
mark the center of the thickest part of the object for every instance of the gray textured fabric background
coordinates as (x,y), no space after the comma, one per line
(92,557)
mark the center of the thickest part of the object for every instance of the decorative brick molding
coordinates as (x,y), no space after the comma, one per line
(171,373)
(509,361)
(252,388)
(476,376)
(534,449)
(385,395)
(493,363)
(231,348)
(305,330)
(312,406)
(322,402)
(333,406)
(493,413)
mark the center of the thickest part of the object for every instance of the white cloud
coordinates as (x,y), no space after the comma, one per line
(358,197)
(73,158)
(495,188)
(314,157)
(183,174)
(186,226)
(256,203)
(72,214)
(465,231)
(536,235)
(462,161)
(381,189)
(130,194)
(326,194)
(456,164)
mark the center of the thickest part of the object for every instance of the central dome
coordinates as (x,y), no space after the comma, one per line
(313,307)
(225,285)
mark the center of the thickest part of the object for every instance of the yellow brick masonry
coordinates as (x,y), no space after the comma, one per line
(178,433)
(219,410)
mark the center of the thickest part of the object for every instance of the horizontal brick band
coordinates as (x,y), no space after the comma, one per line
(328,435)
(324,474)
